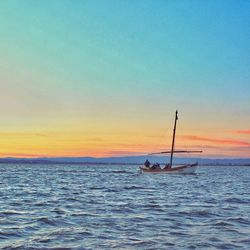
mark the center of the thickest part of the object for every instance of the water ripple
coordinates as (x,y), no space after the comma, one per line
(104,207)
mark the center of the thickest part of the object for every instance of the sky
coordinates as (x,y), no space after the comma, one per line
(104,78)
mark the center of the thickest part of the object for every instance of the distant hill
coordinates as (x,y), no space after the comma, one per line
(125,160)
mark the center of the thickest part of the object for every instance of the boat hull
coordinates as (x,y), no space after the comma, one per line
(185,169)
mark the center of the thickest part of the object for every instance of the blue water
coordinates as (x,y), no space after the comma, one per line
(104,207)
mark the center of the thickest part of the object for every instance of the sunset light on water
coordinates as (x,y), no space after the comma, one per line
(125,124)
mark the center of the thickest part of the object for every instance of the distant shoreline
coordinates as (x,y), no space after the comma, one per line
(106,163)
(127,160)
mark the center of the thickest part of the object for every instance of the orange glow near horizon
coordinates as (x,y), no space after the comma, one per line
(80,143)
(74,84)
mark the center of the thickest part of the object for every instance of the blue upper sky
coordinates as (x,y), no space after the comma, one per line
(125,60)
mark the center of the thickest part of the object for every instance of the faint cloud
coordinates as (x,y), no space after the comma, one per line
(218,141)
(243,132)
(18,134)
(40,135)
(117,153)
(22,155)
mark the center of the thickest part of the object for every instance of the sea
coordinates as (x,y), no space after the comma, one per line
(114,207)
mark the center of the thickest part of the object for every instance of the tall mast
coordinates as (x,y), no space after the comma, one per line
(172,149)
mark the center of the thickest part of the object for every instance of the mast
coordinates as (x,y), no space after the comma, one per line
(172,149)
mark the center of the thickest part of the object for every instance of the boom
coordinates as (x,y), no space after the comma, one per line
(177,151)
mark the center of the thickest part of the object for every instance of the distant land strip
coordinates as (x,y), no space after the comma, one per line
(129,160)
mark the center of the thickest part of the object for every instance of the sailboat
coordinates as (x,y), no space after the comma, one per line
(168,169)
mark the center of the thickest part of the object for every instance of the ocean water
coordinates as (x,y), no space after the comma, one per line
(106,207)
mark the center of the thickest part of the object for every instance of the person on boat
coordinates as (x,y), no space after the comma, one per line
(147,163)
(167,166)
(156,166)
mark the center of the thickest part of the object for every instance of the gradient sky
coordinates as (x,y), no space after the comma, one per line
(103,78)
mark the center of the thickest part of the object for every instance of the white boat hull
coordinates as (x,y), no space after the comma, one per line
(186,169)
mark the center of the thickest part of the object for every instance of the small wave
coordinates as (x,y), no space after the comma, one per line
(76,193)
(223,224)
(214,239)
(142,243)
(84,233)
(72,199)
(123,210)
(47,221)
(132,187)
(179,234)
(240,220)
(15,247)
(237,201)
(8,234)
(59,211)
(150,205)
(83,214)
(117,172)
(76,171)
(202,213)
(11,213)
(95,188)
(227,246)
(44,240)
(153,208)
(231,230)
(245,241)
(138,219)
(111,190)
(40,204)
(15,204)
(120,172)
(202,245)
